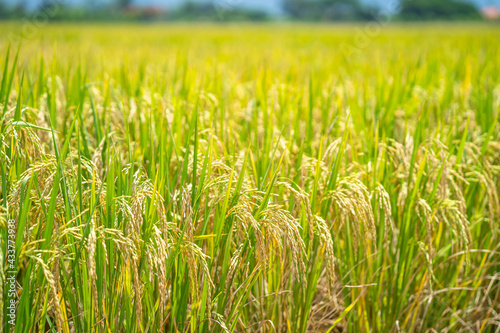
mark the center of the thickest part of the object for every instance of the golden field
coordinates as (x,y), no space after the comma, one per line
(250,178)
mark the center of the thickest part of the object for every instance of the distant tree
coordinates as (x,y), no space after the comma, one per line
(124,3)
(19,10)
(48,5)
(4,13)
(438,10)
(327,10)
(54,10)
(218,11)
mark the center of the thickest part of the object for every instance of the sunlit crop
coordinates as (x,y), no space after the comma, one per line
(275,178)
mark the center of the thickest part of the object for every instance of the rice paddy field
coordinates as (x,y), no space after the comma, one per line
(240,178)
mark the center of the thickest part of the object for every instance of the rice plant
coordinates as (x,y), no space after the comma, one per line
(175,178)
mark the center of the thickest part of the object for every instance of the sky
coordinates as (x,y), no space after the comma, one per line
(270,6)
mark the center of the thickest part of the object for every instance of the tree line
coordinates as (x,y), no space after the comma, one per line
(230,10)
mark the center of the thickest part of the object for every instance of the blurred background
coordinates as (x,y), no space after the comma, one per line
(250,10)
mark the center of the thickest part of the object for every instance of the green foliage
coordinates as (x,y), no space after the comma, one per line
(325,10)
(216,11)
(3,10)
(231,10)
(438,10)
(196,178)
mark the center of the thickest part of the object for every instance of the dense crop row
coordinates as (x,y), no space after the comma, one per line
(258,179)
